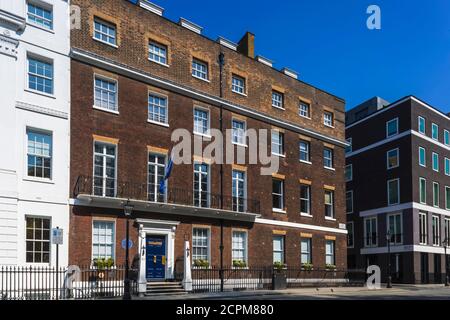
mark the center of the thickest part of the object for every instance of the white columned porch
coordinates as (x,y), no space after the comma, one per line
(161,228)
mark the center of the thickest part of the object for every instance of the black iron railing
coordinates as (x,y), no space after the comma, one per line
(141,191)
(260,278)
(49,283)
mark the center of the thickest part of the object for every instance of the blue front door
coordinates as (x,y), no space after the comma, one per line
(156,257)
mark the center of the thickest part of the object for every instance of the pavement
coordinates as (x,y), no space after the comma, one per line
(398,292)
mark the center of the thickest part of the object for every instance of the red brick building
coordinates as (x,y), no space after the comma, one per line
(137,77)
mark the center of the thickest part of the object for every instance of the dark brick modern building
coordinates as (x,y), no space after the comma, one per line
(136,78)
(398,180)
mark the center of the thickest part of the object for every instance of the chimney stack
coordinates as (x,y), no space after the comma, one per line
(247,45)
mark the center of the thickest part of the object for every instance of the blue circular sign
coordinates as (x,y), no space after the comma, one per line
(124,243)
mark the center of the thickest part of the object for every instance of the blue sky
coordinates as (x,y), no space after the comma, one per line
(328,44)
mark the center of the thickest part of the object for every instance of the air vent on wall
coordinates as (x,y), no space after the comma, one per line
(151,7)
(190,25)
(227,43)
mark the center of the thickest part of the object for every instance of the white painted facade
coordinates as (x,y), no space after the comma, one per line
(22,109)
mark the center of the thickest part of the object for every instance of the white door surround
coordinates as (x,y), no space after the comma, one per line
(160,228)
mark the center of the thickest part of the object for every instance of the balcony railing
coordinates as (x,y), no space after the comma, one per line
(93,186)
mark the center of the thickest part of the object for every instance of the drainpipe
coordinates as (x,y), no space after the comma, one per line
(221,64)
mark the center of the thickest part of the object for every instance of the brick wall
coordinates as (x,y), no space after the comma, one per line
(134,134)
(136,26)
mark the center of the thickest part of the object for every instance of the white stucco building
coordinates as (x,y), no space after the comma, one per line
(34,130)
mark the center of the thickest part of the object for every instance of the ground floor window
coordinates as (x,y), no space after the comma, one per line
(239,246)
(329,253)
(200,244)
(103,240)
(37,240)
(306,257)
(278,249)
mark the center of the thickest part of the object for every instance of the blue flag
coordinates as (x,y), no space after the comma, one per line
(162,185)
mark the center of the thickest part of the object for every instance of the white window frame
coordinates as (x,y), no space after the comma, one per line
(200,190)
(156,165)
(331,205)
(398,192)
(349,168)
(27,153)
(198,73)
(158,116)
(160,47)
(308,251)
(281,195)
(433,156)
(283,248)
(387,127)
(333,251)
(328,119)
(372,243)
(330,158)
(235,183)
(207,133)
(45,60)
(38,240)
(278,103)
(424,157)
(436,233)
(301,109)
(279,143)
(307,200)
(43,6)
(420,190)
(401,227)
(116,102)
(208,242)
(388,167)
(237,88)
(245,249)
(109,25)
(307,152)
(104,156)
(436,194)
(433,127)
(240,134)
(446,137)
(419,119)
(351,193)
(113,237)
(423,228)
